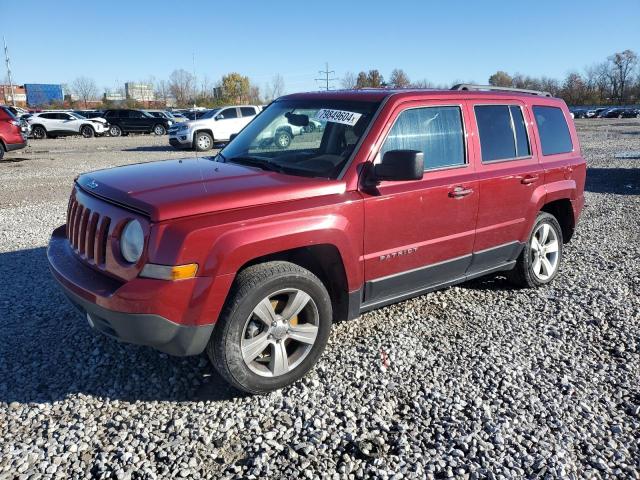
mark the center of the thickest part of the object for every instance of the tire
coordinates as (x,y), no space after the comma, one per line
(203,142)
(282,139)
(268,288)
(159,130)
(115,131)
(529,272)
(1,151)
(87,131)
(38,132)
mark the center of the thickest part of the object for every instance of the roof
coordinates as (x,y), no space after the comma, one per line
(379,94)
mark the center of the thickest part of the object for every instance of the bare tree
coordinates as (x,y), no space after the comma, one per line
(85,88)
(275,88)
(163,92)
(622,65)
(182,86)
(349,81)
(399,79)
(424,83)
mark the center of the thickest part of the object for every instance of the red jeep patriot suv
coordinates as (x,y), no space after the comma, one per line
(251,254)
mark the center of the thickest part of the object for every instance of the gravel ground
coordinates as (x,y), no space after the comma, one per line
(476,381)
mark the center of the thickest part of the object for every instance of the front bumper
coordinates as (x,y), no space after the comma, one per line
(92,292)
(180,140)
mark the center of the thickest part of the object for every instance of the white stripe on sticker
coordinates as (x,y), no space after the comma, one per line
(338,116)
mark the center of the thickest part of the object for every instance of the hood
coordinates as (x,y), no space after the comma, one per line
(178,188)
(97,119)
(198,123)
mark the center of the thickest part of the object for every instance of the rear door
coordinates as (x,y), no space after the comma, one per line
(419,234)
(510,176)
(247,114)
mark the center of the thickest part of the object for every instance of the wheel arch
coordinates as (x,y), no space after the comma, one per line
(325,262)
(203,130)
(562,210)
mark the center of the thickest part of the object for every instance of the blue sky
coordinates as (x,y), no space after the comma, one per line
(116,41)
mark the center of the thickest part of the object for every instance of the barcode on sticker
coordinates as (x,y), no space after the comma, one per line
(338,116)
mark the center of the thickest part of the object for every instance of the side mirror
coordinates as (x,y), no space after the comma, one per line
(400,165)
(219,117)
(232,136)
(297,119)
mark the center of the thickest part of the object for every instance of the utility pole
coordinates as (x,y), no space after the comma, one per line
(326,73)
(6,59)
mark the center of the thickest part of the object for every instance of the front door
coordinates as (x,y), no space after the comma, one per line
(228,123)
(420,234)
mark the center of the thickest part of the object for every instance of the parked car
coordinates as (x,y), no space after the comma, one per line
(620,112)
(89,113)
(125,121)
(195,114)
(596,111)
(216,125)
(62,123)
(579,112)
(179,117)
(251,255)
(175,117)
(13,134)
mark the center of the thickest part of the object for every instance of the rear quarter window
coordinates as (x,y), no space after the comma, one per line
(553,130)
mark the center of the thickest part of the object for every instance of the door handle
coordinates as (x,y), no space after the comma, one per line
(460,192)
(529,179)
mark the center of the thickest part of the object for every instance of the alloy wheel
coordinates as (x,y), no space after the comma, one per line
(544,252)
(280,332)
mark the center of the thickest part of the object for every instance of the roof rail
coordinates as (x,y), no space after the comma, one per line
(469,86)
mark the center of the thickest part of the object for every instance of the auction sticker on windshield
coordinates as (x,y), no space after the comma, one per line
(338,116)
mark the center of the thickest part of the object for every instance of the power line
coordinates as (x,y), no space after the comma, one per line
(327,76)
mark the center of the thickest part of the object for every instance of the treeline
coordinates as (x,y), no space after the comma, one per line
(613,81)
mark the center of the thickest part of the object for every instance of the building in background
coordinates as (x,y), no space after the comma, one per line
(114,96)
(41,94)
(19,93)
(140,92)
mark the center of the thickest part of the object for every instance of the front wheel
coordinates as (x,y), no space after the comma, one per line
(274,327)
(539,262)
(87,132)
(159,130)
(282,139)
(203,142)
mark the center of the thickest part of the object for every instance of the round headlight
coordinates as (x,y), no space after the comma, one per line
(132,241)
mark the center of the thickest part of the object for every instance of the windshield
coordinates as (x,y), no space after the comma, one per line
(302,137)
(77,115)
(207,114)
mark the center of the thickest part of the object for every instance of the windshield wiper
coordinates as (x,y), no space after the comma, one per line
(257,162)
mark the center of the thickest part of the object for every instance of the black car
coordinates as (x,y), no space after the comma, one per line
(125,121)
(620,113)
(579,112)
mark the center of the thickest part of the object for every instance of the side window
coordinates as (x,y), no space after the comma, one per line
(435,131)
(47,116)
(228,113)
(135,114)
(503,134)
(247,111)
(64,116)
(553,129)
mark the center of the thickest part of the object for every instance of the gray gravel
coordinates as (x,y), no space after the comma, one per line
(476,381)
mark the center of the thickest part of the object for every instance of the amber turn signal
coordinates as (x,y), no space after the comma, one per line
(169,272)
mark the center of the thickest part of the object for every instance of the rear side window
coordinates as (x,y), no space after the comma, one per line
(435,131)
(247,111)
(553,129)
(503,135)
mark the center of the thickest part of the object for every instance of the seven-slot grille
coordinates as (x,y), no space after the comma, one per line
(87,232)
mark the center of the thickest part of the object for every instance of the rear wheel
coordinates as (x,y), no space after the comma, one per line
(38,132)
(87,132)
(1,151)
(539,262)
(274,327)
(115,131)
(203,141)
(159,129)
